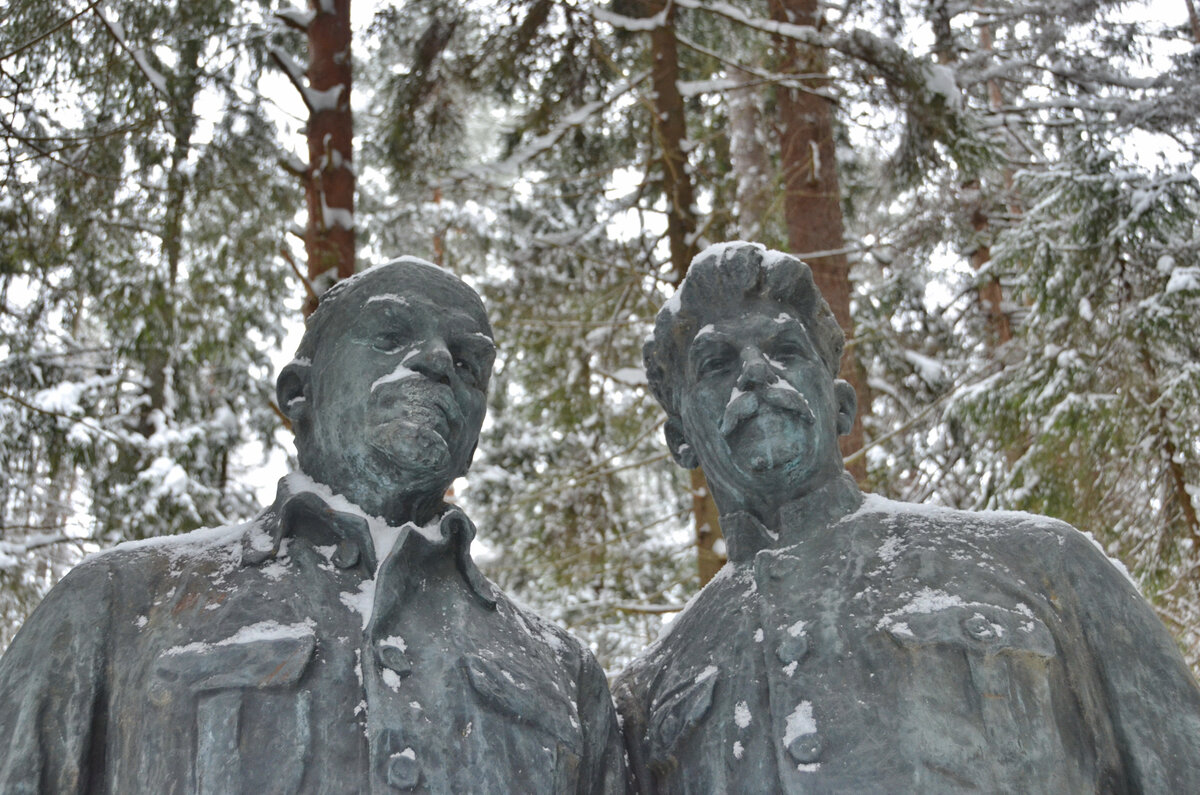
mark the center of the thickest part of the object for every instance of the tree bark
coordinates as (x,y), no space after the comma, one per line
(670,129)
(748,156)
(329,238)
(812,196)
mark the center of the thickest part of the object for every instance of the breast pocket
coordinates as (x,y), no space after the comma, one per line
(219,676)
(982,673)
(518,694)
(675,715)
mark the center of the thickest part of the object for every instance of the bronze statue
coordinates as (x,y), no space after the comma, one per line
(344,640)
(862,645)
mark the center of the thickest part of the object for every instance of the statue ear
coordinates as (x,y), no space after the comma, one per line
(847,406)
(291,391)
(681,451)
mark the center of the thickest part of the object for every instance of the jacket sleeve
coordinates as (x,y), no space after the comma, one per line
(602,771)
(51,684)
(1150,695)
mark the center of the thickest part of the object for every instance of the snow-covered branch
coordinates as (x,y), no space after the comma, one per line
(117,31)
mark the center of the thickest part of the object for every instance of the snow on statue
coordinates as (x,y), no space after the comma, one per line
(344,640)
(861,645)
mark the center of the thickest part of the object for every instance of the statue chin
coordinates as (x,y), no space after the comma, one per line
(417,450)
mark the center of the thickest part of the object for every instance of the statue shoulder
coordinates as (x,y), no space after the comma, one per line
(945,525)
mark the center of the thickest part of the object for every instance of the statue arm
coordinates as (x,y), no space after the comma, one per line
(1153,700)
(51,680)
(602,771)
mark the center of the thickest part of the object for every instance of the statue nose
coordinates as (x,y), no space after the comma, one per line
(433,360)
(756,371)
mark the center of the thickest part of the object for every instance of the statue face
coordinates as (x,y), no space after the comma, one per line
(396,390)
(759,408)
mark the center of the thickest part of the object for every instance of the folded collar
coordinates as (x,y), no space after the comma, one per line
(305,514)
(745,536)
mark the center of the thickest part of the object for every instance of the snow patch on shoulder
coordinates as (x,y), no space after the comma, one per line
(212,540)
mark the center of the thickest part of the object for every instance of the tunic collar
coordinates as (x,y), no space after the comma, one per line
(746,536)
(304,514)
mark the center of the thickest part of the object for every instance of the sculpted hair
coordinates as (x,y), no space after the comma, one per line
(720,279)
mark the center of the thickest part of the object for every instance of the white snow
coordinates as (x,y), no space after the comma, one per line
(383,535)
(391,679)
(299,17)
(399,374)
(1183,279)
(799,723)
(262,631)
(708,673)
(159,82)
(362,600)
(628,23)
(940,81)
(796,630)
(390,298)
(396,641)
(930,600)
(741,714)
(738,750)
(889,550)
(758,635)
(323,100)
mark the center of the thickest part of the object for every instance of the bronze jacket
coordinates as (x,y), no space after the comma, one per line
(885,647)
(264,659)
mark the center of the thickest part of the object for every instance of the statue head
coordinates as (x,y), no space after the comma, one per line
(388,389)
(744,358)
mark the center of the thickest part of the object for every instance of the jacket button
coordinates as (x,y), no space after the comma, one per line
(806,748)
(792,649)
(980,628)
(403,772)
(346,554)
(394,658)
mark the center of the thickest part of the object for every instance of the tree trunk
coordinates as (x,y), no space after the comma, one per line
(748,156)
(812,197)
(670,127)
(329,238)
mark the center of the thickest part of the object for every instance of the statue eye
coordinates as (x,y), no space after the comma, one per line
(788,349)
(713,363)
(388,343)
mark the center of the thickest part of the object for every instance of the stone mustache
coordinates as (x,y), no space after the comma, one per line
(854,644)
(343,641)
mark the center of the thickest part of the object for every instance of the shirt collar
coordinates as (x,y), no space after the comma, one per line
(306,515)
(745,536)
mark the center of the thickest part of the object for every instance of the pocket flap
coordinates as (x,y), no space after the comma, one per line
(514,693)
(266,654)
(986,628)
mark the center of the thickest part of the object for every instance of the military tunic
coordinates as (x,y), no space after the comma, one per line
(268,659)
(885,647)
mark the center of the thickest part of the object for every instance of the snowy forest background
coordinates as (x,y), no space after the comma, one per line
(999,198)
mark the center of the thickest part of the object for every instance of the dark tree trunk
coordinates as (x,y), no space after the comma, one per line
(329,238)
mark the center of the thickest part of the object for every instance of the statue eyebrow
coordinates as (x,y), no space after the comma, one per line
(709,333)
(475,341)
